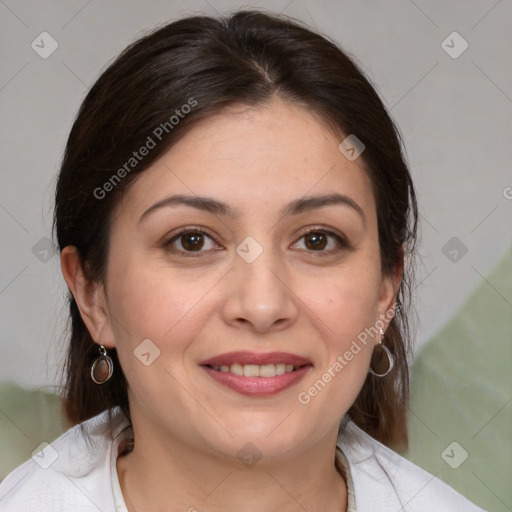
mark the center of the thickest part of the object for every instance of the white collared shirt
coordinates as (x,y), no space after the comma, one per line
(78,473)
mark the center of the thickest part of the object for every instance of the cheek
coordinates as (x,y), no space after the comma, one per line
(167,311)
(352,312)
(144,301)
(350,304)
(150,303)
(349,312)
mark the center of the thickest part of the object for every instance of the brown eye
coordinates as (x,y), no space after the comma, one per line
(190,241)
(316,241)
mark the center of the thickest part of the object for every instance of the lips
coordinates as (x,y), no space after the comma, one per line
(253,374)
(244,358)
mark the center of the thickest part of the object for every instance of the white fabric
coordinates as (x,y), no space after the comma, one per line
(83,476)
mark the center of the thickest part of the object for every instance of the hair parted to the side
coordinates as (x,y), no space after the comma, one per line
(213,63)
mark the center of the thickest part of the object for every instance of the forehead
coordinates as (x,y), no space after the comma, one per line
(253,158)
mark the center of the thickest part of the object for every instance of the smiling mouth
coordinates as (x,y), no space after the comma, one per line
(257,380)
(257,374)
(254,370)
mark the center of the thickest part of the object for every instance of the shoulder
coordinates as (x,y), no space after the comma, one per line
(385,481)
(71,473)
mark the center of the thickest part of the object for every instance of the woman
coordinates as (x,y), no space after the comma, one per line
(233,212)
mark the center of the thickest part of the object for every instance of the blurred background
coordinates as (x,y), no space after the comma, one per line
(441,70)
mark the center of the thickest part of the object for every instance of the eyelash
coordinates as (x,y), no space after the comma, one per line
(341,241)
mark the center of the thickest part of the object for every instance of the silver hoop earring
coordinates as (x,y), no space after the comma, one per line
(381,351)
(102,368)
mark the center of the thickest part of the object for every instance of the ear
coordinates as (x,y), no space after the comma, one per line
(90,297)
(390,285)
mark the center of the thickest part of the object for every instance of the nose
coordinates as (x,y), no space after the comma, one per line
(261,296)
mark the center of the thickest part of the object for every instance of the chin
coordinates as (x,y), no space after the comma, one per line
(272,436)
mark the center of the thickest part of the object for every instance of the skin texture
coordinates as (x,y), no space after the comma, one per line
(188,428)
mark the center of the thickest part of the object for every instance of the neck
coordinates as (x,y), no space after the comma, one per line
(161,474)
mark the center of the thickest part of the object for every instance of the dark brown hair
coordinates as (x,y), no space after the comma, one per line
(212,63)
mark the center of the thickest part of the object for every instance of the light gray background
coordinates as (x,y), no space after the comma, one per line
(454,114)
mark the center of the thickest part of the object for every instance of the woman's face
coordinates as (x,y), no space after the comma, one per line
(206,323)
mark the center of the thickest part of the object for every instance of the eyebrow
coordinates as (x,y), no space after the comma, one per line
(216,207)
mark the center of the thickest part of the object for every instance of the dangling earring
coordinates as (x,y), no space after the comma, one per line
(378,358)
(102,368)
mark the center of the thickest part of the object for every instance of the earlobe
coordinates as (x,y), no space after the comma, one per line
(89,296)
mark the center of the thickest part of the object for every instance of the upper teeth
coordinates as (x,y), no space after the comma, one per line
(254,370)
